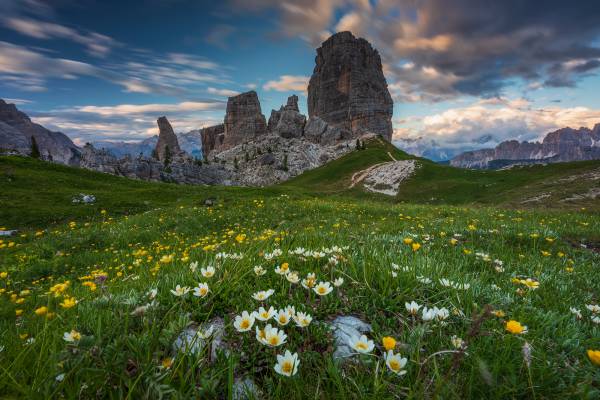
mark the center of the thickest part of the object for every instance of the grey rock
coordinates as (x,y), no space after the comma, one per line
(344,328)
(291,124)
(245,388)
(318,131)
(348,89)
(166,139)
(190,340)
(8,233)
(212,138)
(243,120)
(267,159)
(84,198)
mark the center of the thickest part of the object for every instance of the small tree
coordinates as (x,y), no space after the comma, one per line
(167,156)
(285,162)
(357,144)
(246,157)
(35,150)
(362,145)
(235,163)
(155,154)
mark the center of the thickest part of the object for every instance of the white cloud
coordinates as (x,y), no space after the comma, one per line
(131,109)
(222,92)
(287,83)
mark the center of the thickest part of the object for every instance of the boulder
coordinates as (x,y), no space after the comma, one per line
(318,131)
(193,339)
(348,89)
(344,328)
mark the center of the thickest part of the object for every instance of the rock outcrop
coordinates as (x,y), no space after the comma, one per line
(243,120)
(16,130)
(212,138)
(348,89)
(559,146)
(167,145)
(287,122)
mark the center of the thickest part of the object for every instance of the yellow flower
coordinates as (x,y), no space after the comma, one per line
(594,356)
(546,253)
(41,311)
(407,240)
(389,343)
(18,312)
(515,327)
(453,241)
(68,302)
(3,275)
(167,363)
(90,285)
(415,246)
(499,313)
(467,251)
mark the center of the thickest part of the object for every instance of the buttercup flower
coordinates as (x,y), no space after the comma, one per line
(361,344)
(287,364)
(389,343)
(244,322)
(41,311)
(594,356)
(515,327)
(68,302)
(395,362)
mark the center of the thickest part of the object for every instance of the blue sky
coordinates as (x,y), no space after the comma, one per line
(458,70)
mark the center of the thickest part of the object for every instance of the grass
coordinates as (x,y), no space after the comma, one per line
(113,260)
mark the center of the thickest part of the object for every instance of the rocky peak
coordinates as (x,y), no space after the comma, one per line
(166,138)
(212,138)
(243,119)
(292,104)
(348,89)
(9,114)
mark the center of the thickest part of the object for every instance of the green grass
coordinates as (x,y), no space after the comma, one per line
(151,233)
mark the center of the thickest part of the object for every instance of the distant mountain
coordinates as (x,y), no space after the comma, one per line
(563,145)
(16,131)
(190,142)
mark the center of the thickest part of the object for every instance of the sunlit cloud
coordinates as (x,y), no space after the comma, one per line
(287,83)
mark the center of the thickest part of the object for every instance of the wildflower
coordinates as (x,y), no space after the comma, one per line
(18,312)
(395,362)
(290,310)
(201,290)
(323,288)
(499,313)
(530,283)
(60,377)
(194,266)
(310,281)
(412,307)
(594,356)
(293,277)
(283,317)
(595,308)
(167,363)
(441,314)
(453,242)
(428,314)
(263,294)
(282,269)
(152,293)
(576,312)
(287,364)
(302,320)
(3,275)
(361,344)
(90,285)
(389,343)
(415,246)
(41,311)
(258,270)
(265,315)
(208,272)
(274,337)
(72,336)
(515,327)
(244,322)
(424,280)
(338,282)
(457,342)
(180,291)
(407,240)
(68,302)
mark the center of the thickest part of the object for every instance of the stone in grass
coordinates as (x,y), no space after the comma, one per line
(193,338)
(344,328)
(245,388)
(8,233)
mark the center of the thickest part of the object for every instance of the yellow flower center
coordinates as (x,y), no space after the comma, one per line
(244,324)
(287,367)
(361,346)
(274,341)
(394,365)
(322,290)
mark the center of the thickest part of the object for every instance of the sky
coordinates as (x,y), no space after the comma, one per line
(463,74)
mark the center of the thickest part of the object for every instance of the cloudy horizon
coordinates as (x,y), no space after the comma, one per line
(464,74)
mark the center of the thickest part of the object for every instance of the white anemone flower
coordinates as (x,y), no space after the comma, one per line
(395,363)
(274,337)
(265,315)
(201,290)
(323,288)
(338,282)
(263,294)
(283,317)
(302,320)
(412,307)
(180,291)
(287,364)
(361,344)
(244,322)
(208,272)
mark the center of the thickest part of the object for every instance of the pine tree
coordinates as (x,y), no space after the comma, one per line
(35,150)
(285,162)
(167,155)
(357,144)
(235,163)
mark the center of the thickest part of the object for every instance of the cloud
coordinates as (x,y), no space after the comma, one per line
(219,35)
(97,44)
(222,92)
(486,123)
(288,83)
(133,109)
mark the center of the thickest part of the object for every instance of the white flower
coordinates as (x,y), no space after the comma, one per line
(596,320)
(265,315)
(395,267)
(424,280)
(152,293)
(258,270)
(60,377)
(263,294)
(180,291)
(395,362)
(302,320)
(441,314)
(72,336)
(457,342)
(361,344)
(291,310)
(193,266)
(412,307)
(283,317)
(293,277)
(595,308)
(394,274)
(333,260)
(273,337)
(208,272)
(323,288)
(205,334)
(338,282)
(576,312)
(282,269)
(428,314)
(201,290)
(445,282)
(287,364)
(244,322)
